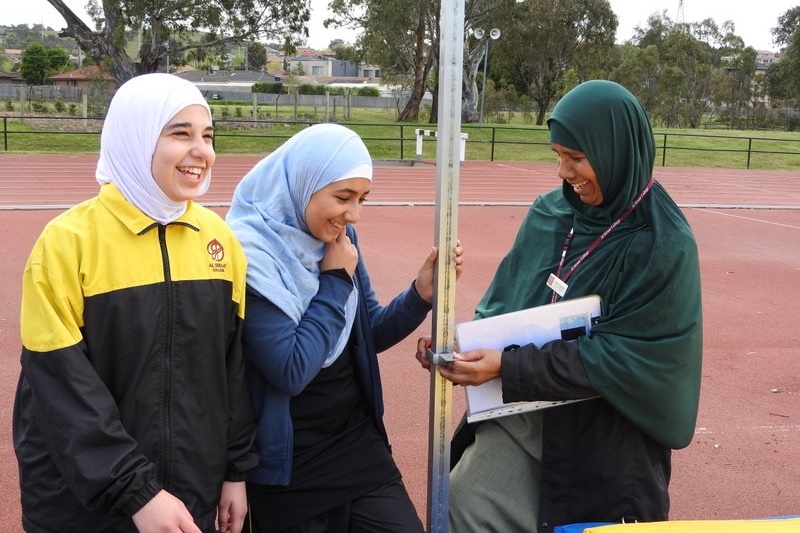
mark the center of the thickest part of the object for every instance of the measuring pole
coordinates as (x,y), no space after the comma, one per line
(448,139)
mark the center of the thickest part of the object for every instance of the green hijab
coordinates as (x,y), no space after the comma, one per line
(644,357)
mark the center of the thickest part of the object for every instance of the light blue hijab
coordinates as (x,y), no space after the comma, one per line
(267,214)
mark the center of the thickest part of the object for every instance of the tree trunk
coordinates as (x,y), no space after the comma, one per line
(99,46)
(469,106)
(410,112)
(434,118)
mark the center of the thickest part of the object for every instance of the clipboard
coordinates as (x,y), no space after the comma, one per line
(567,319)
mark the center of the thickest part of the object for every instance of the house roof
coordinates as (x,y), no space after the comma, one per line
(13,76)
(92,72)
(226,76)
(307,52)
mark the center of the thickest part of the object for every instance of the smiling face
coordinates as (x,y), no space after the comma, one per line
(574,168)
(184,154)
(334,206)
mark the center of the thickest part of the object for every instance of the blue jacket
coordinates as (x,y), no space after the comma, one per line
(284,357)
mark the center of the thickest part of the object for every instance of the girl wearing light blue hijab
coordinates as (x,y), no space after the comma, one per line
(311,336)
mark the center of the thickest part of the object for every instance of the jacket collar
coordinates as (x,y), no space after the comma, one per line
(134,219)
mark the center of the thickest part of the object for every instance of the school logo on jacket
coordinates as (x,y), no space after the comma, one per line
(217,253)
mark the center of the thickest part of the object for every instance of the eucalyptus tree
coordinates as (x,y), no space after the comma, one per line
(483,15)
(256,56)
(168,27)
(400,36)
(548,37)
(640,72)
(687,94)
(682,70)
(738,90)
(783,77)
(345,51)
(787,27)
(658,26)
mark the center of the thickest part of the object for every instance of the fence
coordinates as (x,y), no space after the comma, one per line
(398,141)
(48,93)
(240,94)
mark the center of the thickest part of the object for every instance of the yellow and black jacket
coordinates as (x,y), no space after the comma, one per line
(132,373)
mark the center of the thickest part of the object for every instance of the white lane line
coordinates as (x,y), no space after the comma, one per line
(792,226)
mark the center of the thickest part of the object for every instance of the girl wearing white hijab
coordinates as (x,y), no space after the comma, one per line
(134,123)
(132,410)
(313,330)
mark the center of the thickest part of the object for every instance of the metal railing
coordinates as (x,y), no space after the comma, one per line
(398,141)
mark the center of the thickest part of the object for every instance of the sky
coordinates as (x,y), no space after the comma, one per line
(753,20)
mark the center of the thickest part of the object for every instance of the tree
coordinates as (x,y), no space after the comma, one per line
(788,25)
(39,63)
(401,36)
(640,72)
(737,88)
(653,34)
(783,77)
(409,58)
(346,51)
(179,24)
(5,62)
(546,38)
(474,54)
(33,66)
(483,14)
(256,56)
(21,35)
(289,49)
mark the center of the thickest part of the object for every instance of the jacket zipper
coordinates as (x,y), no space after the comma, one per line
(167,391)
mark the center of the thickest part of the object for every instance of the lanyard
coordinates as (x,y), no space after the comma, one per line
(561,281)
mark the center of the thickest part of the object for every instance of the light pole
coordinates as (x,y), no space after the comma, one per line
(494,34)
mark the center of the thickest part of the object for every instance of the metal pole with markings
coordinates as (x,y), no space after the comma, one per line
(448,139)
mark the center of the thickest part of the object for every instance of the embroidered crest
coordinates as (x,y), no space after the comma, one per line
(215,250)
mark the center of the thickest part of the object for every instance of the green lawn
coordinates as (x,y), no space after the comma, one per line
(387,139)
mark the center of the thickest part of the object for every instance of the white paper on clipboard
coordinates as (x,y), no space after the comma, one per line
(566,319)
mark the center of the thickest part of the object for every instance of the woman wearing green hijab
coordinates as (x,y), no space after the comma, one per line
(611,230)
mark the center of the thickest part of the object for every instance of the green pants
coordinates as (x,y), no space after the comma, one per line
(495,485)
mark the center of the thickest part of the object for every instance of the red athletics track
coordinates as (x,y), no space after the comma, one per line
(744,461)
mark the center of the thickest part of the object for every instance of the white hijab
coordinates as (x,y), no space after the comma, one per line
(267,214)
(138,113)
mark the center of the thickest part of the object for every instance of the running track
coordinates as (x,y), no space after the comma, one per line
(744,461)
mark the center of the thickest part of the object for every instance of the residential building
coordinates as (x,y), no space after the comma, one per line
(84,78)
(327,67)
(765,58)
(11,78)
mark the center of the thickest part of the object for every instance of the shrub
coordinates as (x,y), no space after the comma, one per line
(368,91)
(268,88)
(39,106)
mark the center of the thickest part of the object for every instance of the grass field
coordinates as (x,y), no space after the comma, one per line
(386,139)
